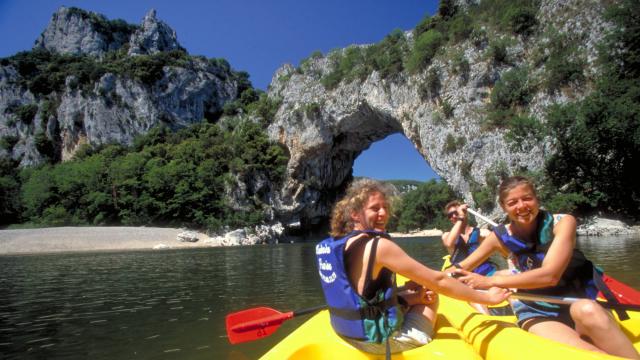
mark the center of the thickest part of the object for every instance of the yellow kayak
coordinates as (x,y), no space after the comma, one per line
(461,333)
(315,339)
(497,337)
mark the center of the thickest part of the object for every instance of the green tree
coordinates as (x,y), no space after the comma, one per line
(598,138)
(423,207)
(10,205)
(37,192)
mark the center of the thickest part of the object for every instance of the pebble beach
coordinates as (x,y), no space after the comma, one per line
(110,238)
(98,238)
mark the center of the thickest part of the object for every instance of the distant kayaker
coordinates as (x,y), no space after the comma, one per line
(542,248)
(463,239)
(357,267)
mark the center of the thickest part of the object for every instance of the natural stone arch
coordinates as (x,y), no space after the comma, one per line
(323,150)
(325,130)
(324,143)
(326,127)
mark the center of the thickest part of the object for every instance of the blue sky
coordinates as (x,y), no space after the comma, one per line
(256,36)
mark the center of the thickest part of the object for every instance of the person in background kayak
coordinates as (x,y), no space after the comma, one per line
(357,267)
(463,239)
(542,248)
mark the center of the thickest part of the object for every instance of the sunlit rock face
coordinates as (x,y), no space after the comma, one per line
(325,130)
(115,108)
(118,109)
(153,36)
(79,32)
(74,31)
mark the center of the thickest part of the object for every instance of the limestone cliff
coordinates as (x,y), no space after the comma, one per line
(65,107)
(325,129)
(126,79)
(75,31)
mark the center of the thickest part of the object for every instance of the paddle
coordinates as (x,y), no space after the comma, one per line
(482,217)
(570,300)
(256,323)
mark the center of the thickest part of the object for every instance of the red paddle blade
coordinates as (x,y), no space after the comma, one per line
(625,293)
(254,324)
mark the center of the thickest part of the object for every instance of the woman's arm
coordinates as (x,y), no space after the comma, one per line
(392,257)
(548,274)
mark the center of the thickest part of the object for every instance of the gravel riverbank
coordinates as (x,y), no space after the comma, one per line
(114,238)
(109,238)
(68,239)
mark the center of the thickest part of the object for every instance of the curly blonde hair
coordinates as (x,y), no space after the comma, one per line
(354,200)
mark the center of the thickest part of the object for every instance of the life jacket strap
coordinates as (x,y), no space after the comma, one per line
(369,312)
(346,314)
(608,295)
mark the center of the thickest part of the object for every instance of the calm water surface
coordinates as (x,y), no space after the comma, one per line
(171,304)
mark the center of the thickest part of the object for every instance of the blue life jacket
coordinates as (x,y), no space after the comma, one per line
(352,316)
(463,249)
(580,279)
(577,279)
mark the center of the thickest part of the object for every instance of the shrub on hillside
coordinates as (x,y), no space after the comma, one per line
(424,49)
(26,112)
(513,89)
(563,65)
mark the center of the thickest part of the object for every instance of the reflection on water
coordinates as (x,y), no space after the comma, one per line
(168,304)
(171,304)
(618,256)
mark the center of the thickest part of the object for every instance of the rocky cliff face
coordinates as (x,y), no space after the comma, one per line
(325,130)
(78,32)
(153,36)
(115,108)
(74,31)
(118,109)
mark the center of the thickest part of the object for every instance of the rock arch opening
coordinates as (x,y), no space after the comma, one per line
(323,151)
(393,158)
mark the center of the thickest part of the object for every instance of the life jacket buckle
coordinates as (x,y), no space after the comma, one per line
(370,312)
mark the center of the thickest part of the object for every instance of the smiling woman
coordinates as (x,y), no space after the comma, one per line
(542,248)
(366,307)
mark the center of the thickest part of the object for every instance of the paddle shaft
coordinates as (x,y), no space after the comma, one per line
(278,318)
(309,310)
(482,217)
(570,300)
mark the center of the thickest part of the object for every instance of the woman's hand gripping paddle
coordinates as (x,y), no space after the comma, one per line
(256,323)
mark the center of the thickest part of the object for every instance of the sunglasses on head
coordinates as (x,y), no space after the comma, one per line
(451,213)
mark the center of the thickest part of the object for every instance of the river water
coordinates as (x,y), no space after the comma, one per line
(172,304)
